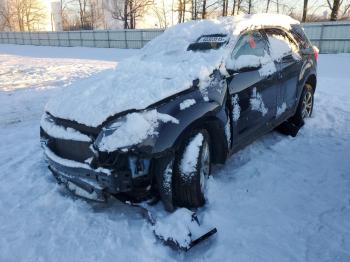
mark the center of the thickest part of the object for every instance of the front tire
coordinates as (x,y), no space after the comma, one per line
(191,170)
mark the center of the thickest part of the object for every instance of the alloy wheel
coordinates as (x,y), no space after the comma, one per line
(307,105)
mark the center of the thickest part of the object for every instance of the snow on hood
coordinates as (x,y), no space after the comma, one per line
(163,68)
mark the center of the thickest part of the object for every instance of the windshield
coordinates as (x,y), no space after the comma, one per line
(208,42)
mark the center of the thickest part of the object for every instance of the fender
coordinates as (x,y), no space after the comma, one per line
(208,106)
(169,133)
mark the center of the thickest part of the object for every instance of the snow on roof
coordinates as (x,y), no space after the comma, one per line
(163,68)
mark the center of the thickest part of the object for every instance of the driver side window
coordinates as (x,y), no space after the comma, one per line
(251,43)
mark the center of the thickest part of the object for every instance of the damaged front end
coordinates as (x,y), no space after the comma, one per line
(75,160)
(131,157)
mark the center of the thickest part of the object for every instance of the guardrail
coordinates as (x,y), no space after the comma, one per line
(329,37)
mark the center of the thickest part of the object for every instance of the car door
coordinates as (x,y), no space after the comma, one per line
(285,51)
(253,90)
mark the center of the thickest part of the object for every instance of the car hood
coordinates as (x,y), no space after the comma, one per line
(135,84)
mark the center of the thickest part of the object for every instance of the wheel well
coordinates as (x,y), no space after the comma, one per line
(217,137)
(311,80)
(218,140)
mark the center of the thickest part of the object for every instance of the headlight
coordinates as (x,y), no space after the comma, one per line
(138,167)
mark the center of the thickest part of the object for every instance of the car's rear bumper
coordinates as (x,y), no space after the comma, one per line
(86,182)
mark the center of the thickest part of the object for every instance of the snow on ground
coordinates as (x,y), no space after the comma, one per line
(279,199)
(30,72)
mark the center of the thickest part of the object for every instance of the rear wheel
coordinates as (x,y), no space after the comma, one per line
(192,169)
(304,110)
(305,105)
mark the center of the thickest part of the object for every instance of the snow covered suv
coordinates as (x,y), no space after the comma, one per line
(202,90)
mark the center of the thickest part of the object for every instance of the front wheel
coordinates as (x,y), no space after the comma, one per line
(192,169)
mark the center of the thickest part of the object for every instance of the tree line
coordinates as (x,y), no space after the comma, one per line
(28,15)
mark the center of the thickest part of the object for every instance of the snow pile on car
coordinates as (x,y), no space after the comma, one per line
(49,126)
(187,103)
(132,129)
(163,68)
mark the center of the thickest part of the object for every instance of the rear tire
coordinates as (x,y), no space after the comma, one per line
(190,171)
(305,106)
(304,110)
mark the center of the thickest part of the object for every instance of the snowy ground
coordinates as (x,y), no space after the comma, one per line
(279,199)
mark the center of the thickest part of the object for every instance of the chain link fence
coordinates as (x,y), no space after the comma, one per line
(329,37)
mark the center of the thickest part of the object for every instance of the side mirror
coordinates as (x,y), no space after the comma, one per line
(244,63)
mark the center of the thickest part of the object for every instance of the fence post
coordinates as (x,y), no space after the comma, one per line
(109,42)
(142,38)
(57,41)
(126,41)
(321,38)
(68,38)
(81,38)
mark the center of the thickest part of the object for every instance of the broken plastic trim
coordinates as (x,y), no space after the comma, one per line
(171,242)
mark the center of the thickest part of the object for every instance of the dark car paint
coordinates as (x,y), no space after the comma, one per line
(211,111)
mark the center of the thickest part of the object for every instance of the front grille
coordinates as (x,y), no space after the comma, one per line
(69,149)
(80,151)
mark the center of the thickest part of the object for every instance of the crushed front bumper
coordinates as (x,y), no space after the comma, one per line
(82,180)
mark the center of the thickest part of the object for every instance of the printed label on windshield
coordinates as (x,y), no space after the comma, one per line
(213,39)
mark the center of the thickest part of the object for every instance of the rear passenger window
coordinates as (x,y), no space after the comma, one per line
(281,44)
(252,43)
(299,35)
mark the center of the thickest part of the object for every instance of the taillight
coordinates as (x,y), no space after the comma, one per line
(316,51)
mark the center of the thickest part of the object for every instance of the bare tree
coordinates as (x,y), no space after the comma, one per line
(224,7)
(129,11)
(84,14)
(233,7)
(204,9)
(5,16)
(239,5)
(179,10)
(97,14)
(334,9)
(304,10)
(268,5)
(161,13)
(346,11)
(22,15)
(250,5)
